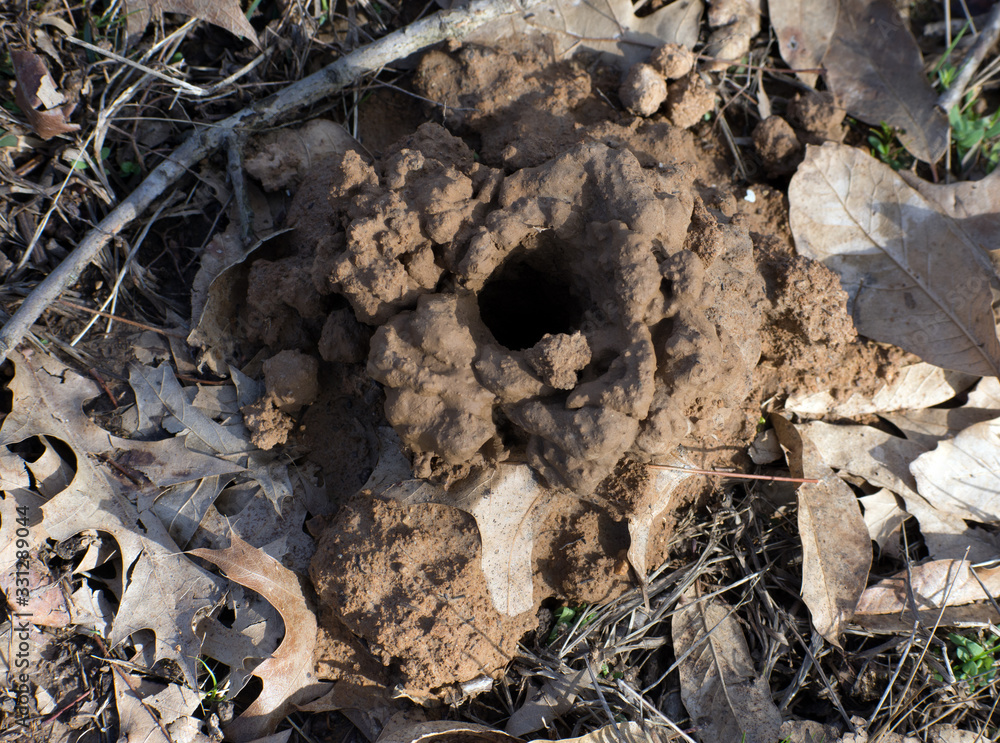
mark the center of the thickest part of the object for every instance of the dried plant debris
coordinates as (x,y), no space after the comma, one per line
(226,14)
(38,97)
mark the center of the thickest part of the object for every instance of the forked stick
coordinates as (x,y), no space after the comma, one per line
(451,24)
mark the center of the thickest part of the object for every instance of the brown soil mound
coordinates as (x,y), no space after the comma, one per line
(582,309)
(582,291)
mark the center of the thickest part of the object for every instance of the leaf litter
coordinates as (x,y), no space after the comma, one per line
(880,464)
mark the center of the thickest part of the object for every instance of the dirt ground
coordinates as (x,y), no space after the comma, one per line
(531,274)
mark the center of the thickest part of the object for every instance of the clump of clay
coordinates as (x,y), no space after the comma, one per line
(291,382)
(689,100)
(269,426)
(643,90)
(281,158)
(818,117)
(387,229)
(672,61)
(523,107)
(777,145)
(558,359)
(576,311)
(575,300)
(290,378)
(414,589)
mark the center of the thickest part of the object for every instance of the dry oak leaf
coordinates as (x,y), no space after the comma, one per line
(929,426)
(545,704)
(962,475)
(287,675)
(159,394)
(36,95)
(884,461)
(933,585)
(871,62)
(164,591)
(153,713)
(723,693)
(836,554)
(914,276)
(30,589)
(665,489)
(916,386)
(226,14)
(883,516)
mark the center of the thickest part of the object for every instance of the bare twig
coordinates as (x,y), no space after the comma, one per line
(183,85)
(984,42)
(453,24)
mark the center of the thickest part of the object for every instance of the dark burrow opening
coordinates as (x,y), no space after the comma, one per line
(529,297)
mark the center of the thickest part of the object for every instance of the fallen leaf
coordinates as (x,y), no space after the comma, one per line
(973,205)
(287,675)
(948,733)
(445,731)
(962,475)
(871,63)
(801,453)
(884,461)
(217,293)
(804,31)
(912,276)
(226,14)
(880,458)
(546,703)
(37,97)
(370,707)
(836,554)
(508,504)
(883,516)
(280,159)
(158,392)
(931,585)
(30,589)
(916,386)
(608,26)
(625,732)
(155,713)
(723,693)
(765,447)
(243,643)
(665,489)
(807,731)
(929,426)
(164,592)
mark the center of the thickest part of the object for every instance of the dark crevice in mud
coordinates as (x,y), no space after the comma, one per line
(522,303)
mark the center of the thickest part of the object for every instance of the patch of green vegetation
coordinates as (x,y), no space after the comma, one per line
(566,617)
(972,660)
(7,139)
(971,133)
(885,145)
(212,692)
